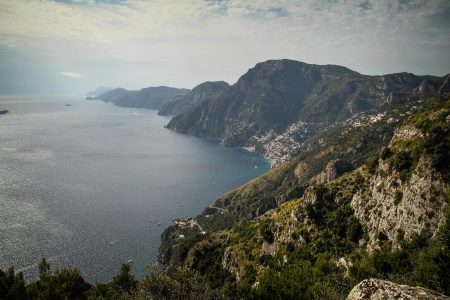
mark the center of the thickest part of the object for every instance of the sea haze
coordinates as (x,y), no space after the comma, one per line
(87,185)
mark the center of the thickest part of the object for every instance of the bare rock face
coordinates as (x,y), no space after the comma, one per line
(377,289)
(333,169)
(231,264)
(394,210)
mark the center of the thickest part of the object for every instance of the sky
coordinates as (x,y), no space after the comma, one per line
(73,46)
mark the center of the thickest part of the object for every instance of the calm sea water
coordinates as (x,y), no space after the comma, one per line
(87,185)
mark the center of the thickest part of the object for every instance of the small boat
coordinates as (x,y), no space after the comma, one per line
(113,242)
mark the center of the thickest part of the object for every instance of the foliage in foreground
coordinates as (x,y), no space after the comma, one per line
(311,273)
(69,284)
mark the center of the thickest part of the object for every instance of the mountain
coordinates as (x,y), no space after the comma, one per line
(369,199)
(279,96)
(151,97)
(202,92)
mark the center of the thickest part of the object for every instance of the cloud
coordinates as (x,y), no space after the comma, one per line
(71,74)
(93,2)
(184,42)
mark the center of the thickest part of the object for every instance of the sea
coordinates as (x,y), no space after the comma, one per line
(90,185)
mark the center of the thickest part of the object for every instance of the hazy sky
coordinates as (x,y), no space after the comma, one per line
(71,46)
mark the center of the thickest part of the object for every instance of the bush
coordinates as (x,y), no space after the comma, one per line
(372,164)
(266,233)
(12,285)
(184,284)
(61,284)
(385,153)
(398,197)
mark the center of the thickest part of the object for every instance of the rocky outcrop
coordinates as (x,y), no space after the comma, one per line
(179,230)
(231,264)
(395,207)
(377,289)
(333,169)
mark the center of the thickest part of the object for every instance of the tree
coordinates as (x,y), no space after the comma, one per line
(12,285)
(124,281)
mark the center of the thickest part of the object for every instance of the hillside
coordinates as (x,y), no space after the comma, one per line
(204,91)
(273,107)
(387,218)
(151,97)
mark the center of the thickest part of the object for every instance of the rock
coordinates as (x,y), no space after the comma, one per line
(333,169)
(377,289)
(421,207)
(231,264)
(3,112)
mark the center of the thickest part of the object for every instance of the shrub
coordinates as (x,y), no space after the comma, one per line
(266,233)
(372,164)
(398,197)
(385,153)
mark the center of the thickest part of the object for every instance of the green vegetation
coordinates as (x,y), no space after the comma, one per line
(61,284)
(311,271)
(372,164)
(422,261)
(184,284)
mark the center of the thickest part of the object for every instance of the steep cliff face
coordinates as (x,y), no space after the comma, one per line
(151,97)
(278,93)
(393,210)
(202,92)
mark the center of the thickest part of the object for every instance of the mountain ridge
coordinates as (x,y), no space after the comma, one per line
(150,97)
(276,94)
